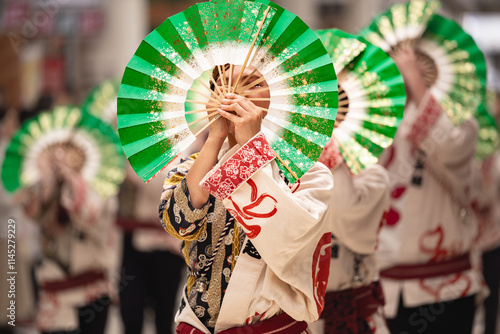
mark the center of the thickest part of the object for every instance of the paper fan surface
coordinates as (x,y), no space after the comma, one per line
(101,102)
(487,140)
(151,101)
(96,146)
(402,23)
(456,70)
(341,46)
(460,85)
(372,98)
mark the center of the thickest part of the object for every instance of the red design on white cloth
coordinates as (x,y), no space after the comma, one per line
(392,216)
(294,187)
(250,211)
(239,168)
(49,307)
(425,121)
(456,283)
(321,269)
(331,156)
(431,242)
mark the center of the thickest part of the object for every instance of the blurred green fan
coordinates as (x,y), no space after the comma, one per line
(259,34)
(89,145)
(372,97)
(101,102)
(455,69)
(400,25)
(487,140)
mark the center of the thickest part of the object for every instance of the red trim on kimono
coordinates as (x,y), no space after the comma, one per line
(425,121)
(239,168)
(347,310)
(75,281)
(428,270)
(280,324)
(331,156)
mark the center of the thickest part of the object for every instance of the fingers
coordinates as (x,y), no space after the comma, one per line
(241,105)
(227,115)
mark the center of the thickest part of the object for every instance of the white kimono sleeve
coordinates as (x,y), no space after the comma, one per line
(289,228)
(450,148)
(359,202)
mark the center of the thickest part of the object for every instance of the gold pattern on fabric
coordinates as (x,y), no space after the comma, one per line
(173,180)
(167,225)
(182,201)
(190,284)
(215,287)
(236,245)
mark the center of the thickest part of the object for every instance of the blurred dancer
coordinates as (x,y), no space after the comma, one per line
(78,242)
(151,259)
(354,299)
(424,251)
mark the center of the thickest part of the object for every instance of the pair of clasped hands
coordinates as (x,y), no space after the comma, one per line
(240,118)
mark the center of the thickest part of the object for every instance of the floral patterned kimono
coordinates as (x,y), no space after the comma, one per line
(258,251)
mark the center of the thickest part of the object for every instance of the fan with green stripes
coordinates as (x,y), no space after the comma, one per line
(455,68)
(303,89)
(372,97)
(101,101)
(487,139)
(94,147)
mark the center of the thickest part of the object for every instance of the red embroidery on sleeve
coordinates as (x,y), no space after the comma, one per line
(239,168)
(321,269)
(425,121)
(331,156)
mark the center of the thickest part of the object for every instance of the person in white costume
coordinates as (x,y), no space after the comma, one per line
(354,299)
(424,251)
(258,250)
(76,277)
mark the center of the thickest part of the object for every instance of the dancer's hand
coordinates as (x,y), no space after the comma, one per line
(244,114)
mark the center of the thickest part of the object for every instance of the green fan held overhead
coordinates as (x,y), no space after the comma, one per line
(101,102)
(372,97)
(488,137)
(88,144)
(454,65)
(259,34)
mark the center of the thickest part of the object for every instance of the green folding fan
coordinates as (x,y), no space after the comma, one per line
(101,102)
(487,139)
(152,98)
(456,66)
(372,97)
(99,156)
(402,24)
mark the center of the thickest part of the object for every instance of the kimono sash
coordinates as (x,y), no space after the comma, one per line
(427,270)
(75,281)
(346,310)
(282,323)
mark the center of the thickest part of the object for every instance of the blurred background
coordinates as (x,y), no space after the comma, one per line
(53,52)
